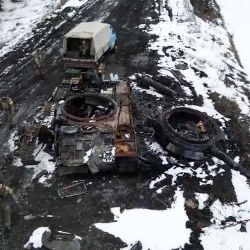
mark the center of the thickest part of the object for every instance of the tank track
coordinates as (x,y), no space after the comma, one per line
(28,143)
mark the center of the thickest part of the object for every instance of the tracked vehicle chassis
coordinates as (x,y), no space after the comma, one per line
(94,132)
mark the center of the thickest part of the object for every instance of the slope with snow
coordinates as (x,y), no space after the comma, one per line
(18,19)
(203,47)
(237,19)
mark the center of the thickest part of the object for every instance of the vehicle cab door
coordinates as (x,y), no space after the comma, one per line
(113,38)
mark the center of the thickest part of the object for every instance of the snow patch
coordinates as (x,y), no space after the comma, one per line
(237,19)
(36,238)
(202,198)
(227,235)
(156,229)
(178,169)
(74,3)
(45,163)
(18,19)
(149,91)
(11,142)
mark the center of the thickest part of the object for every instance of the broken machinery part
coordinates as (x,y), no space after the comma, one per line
(72,190)
(28,135)
(143,80)
(95,132)
(192,134)
(125,141)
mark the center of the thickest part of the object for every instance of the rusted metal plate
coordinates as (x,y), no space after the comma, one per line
(126,145)
(124,116)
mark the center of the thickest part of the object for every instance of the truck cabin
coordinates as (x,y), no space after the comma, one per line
(88,42)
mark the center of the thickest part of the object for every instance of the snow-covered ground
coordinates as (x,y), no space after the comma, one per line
(156,229)
(35,239)
(202,47)
(46,164)
(237,19)
(206,47)
(151,226)
(17,20)
(228,236)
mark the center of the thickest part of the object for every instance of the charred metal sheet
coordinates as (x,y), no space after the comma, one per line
(124,116)
(60,93)
(125,142)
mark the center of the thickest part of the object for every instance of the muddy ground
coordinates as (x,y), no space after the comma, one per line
(77,215)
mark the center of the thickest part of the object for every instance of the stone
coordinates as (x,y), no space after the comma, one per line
(191,204)
(181,66)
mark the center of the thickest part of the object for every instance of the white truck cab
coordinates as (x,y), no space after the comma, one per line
(85,44)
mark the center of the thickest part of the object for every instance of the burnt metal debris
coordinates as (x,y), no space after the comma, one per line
(192,134)
(145,81)
(28,134)
(92,129)
(72,190)
(93,132)
(60,240)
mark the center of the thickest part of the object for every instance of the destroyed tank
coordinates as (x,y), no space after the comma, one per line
(93,131)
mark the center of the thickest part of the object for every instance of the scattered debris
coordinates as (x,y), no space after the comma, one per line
(137,246)
(191,134)
(43,236)
(46,163)
(95,132)
(32,217)
(61,240)
(35,240)
(122,207)
(75,189)
(28,134)
(148,82)
(39,175)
